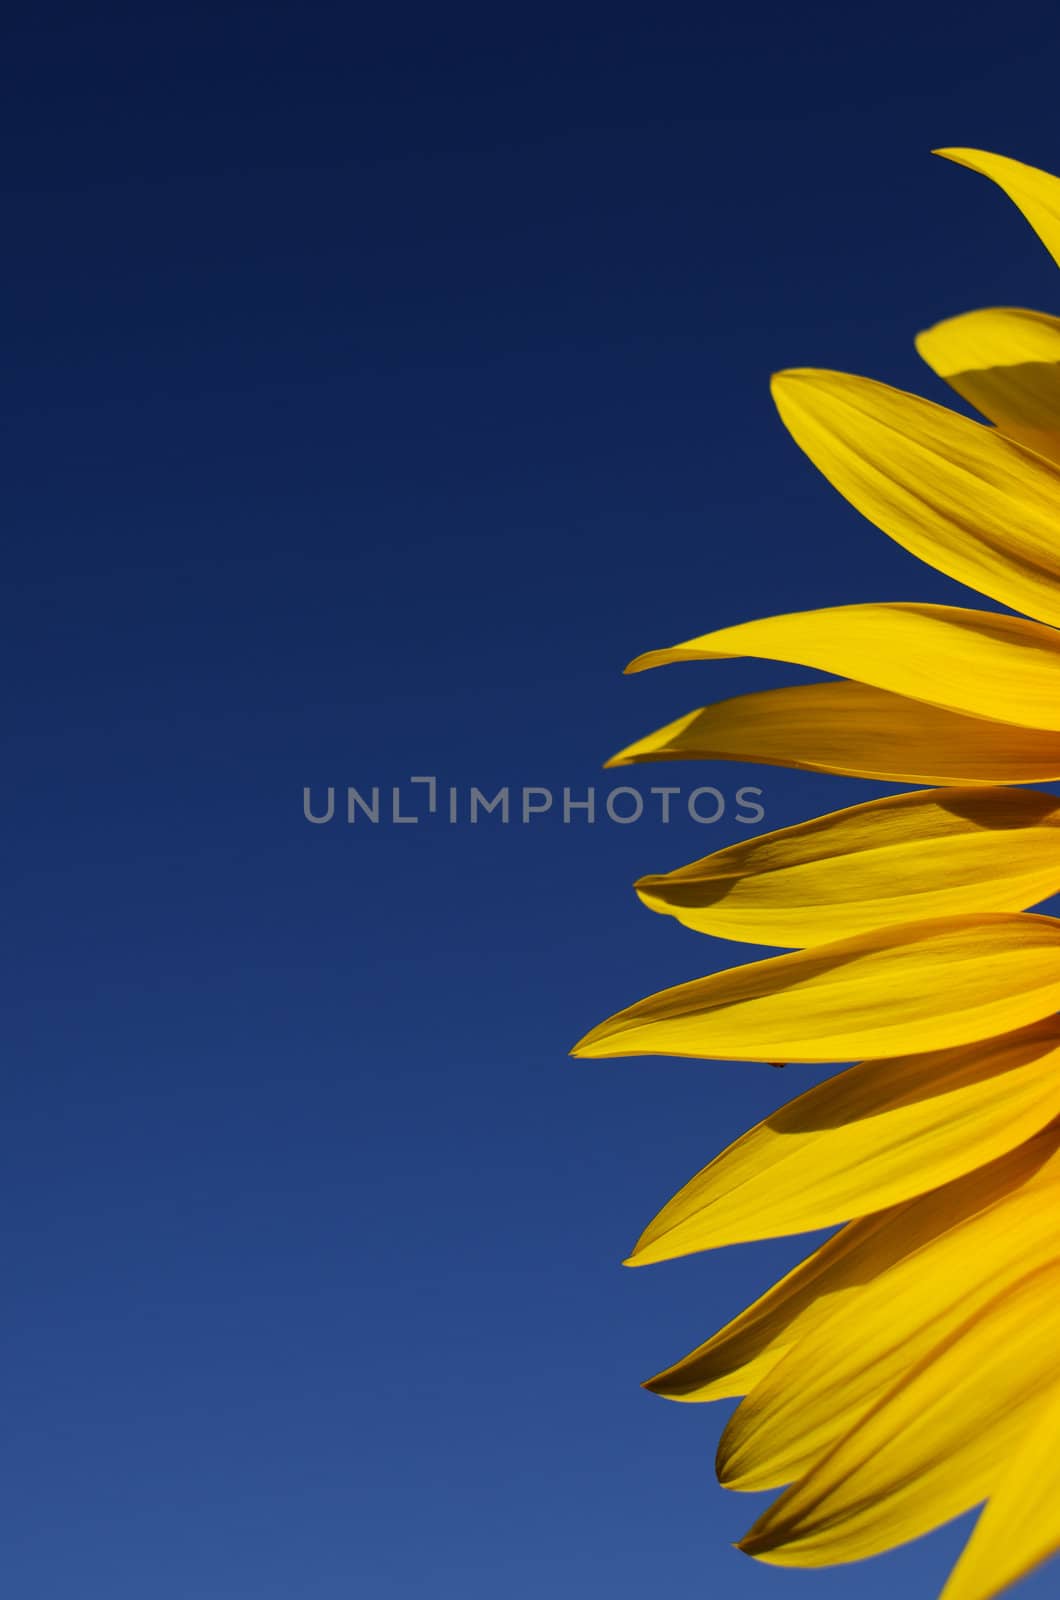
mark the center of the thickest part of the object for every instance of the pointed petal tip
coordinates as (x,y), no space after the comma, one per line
(651,1248)
(664,657)
(636,1255)
(647,892)
(659,1385)
(971,152)
(986,162)
(749,1546)
(587,1045)
(760,1545)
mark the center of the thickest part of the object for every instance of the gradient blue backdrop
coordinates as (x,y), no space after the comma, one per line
(377,383)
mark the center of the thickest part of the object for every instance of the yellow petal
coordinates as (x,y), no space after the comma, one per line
(959,495)
(994,1227)
(866,1140)
(1020,1525)
(855,730)
(1034,192)
(923,986)
(934,1446)
(738,1357)
(902,859)
(1006,363)
(978,662)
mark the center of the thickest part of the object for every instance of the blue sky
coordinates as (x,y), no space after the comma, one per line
(377,385)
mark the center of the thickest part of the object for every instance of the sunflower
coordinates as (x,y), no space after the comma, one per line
(907,1370)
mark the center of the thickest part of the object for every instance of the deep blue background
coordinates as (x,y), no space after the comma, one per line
(377,383)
